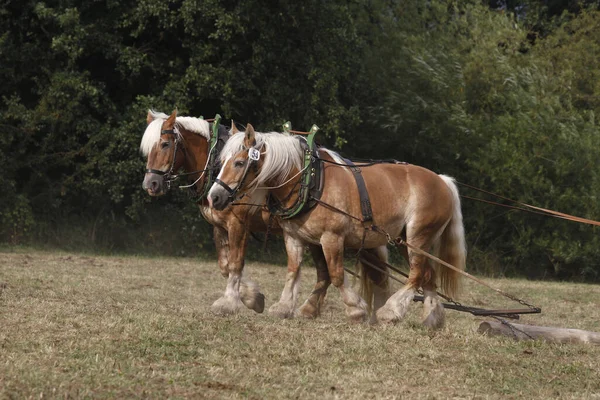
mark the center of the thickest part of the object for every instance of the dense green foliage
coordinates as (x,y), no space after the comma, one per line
(501,95)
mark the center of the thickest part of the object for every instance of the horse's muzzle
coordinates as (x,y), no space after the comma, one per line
(218,198)
(153,184)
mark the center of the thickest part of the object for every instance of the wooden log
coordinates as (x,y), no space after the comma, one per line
(529,332)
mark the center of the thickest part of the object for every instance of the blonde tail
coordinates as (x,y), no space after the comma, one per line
(452,248)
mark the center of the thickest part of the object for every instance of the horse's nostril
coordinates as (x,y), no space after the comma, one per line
(154,185)
(216,199)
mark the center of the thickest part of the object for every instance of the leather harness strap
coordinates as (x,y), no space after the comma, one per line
(365,202)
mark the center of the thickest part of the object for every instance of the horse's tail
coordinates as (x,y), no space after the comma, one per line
(374,284)
(451,246)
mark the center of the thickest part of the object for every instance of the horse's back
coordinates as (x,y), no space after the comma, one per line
(406,194)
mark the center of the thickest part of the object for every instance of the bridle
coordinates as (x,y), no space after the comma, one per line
(212,165)
(253,157)
(168,176)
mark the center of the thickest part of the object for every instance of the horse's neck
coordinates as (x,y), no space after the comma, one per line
(287,194)
(195,150)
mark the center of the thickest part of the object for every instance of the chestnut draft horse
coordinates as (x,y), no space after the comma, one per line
(407,200)
(172,143)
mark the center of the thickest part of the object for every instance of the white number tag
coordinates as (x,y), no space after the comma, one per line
(253,154)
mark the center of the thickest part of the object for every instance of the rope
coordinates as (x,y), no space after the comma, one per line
(205,167)
(460,271)
(524,206)
(284,183)
(529,207)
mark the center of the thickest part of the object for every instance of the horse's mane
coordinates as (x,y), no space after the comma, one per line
(152,133)
(282,152)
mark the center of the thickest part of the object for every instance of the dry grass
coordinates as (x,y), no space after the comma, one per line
(115,327)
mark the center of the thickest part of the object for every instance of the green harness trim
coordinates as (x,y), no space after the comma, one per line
(305,180)
(212,155)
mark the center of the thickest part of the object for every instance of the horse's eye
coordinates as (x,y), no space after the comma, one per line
(239,164)
(164,145)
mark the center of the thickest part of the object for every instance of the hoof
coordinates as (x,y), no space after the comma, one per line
(356,314)
(434,316)
(387,315)
(282,310)
(226,306)
(256,303)
(396,307)
(308,310)
(251,296)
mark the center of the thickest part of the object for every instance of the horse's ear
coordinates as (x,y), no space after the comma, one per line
(149,117)
(234,128)
(170,122)
(250,139)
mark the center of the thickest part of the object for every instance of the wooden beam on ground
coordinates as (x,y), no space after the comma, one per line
(532,332)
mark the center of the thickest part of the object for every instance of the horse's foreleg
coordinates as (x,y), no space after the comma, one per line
(222,245)
(239,290)
(312,306)
(333,248)
(286,306)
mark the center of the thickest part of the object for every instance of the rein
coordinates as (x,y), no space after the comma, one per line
(519,205)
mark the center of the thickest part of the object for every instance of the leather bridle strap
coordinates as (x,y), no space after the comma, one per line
(225,186)
(158,171)
(233,192)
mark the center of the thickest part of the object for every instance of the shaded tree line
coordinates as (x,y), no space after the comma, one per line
(500,94)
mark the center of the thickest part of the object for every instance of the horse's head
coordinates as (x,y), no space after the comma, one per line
(238,171)
(164,155)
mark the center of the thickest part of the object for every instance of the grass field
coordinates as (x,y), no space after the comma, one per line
(75,326)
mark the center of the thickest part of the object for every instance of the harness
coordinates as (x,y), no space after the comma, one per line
(218,138)
(311,182)
(365,202)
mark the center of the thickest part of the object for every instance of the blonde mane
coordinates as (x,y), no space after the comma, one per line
(152,133)
(281,152)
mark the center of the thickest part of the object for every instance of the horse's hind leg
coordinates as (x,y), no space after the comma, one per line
(333,248)
(312,306)
(433,310)
(434,316)
(285,308)
(421,273)
(375,285)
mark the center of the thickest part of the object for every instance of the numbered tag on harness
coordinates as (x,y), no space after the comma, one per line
(253,154)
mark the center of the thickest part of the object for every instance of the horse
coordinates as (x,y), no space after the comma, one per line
(407,201)
(172,143)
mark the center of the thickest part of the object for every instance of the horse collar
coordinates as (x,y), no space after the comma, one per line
(311,180)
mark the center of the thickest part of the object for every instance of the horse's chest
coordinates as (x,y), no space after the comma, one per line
(302,230)
(211,216)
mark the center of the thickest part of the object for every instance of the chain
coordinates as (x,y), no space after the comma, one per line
(512,328)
